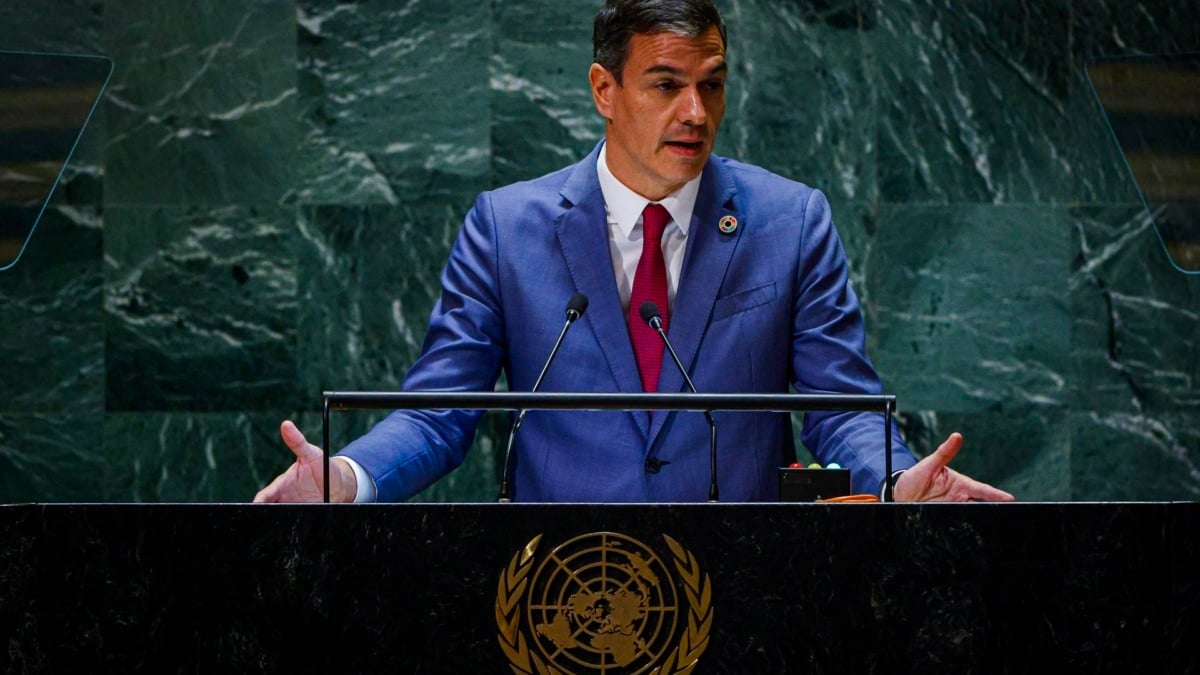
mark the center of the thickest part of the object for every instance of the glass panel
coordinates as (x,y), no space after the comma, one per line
(45,102)
(1153,108)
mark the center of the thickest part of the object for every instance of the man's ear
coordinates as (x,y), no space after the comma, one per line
(603,83)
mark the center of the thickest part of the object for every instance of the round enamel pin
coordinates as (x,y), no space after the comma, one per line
(727,225)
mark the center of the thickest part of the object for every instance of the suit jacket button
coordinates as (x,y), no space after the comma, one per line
(653,465)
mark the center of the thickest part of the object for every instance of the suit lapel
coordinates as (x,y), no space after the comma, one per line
(583,235)
(704,265)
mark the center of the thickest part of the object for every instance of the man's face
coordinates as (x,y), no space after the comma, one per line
(662,119)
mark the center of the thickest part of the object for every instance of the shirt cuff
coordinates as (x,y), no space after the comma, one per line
(366,491)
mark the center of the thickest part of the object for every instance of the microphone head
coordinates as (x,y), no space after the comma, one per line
(576,306)
(649,311)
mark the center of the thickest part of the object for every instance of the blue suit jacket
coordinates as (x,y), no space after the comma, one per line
(757,310)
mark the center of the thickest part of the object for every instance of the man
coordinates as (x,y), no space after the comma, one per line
(745,265)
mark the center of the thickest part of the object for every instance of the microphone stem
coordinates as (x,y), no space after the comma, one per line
(712,458)
(512,435)
(505,497)
(571,316)
(656,324)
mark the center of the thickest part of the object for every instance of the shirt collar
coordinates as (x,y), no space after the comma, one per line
(625,206)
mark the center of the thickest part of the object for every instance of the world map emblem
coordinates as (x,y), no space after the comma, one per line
(603,603)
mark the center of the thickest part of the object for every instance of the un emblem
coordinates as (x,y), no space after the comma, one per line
(603,603)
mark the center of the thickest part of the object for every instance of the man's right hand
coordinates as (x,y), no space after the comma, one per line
(303,481)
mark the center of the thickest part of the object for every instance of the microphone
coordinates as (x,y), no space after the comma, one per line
(576,306)
(653,318)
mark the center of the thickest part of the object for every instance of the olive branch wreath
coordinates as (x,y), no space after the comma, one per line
(692,642)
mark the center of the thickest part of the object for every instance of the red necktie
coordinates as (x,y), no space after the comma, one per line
(649,283)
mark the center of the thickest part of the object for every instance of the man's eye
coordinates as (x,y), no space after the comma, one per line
(715,85)
(665,86)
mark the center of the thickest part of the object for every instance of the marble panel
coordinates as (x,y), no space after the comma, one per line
(543,117)
(972,102)
(1123,27)
(393,101)
(202,106)
(52,347)
(1135,319)
(53,27)
(200,309)
(51,456)
(971,305)
(799,99)
(1132,456)
(369,277)
(185,457)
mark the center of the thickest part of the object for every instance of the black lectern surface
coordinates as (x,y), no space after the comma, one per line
(773,588)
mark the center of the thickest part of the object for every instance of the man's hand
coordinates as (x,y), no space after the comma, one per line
(931,480)
(303,481)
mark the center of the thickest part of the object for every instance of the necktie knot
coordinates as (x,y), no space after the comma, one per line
(654,221)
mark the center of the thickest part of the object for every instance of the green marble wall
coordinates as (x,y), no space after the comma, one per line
(261,209)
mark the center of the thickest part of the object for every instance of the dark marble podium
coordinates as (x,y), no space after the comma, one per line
(793,588)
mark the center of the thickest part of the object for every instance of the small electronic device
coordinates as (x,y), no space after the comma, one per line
(812,483)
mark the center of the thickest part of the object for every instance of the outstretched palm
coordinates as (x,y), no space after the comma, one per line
(931,480)
(304,480)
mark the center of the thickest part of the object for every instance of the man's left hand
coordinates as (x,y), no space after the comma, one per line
(932,480)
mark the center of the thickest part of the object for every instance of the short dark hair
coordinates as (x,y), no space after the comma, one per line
(619,20)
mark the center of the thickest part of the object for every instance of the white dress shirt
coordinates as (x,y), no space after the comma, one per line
(624,208)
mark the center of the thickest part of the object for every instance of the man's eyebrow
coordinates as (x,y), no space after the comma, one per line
(664,69)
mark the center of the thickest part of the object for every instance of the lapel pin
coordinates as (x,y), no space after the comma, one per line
(727,225)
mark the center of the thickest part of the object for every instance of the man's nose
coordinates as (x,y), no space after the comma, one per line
(691,107)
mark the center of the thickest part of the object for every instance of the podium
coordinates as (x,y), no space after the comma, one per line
(748,588)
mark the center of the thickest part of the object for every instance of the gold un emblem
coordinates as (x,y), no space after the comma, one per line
(603,603)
